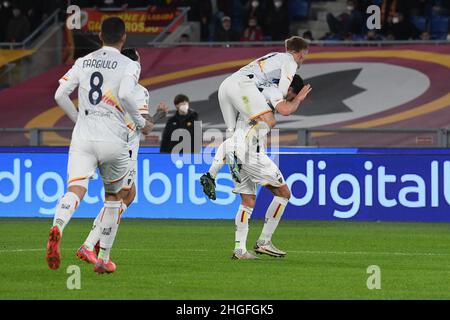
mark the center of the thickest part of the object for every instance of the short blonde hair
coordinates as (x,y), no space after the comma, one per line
(296,44)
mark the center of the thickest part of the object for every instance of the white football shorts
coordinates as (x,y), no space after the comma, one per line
(112,159)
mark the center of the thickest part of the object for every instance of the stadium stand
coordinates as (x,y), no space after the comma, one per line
(191,31)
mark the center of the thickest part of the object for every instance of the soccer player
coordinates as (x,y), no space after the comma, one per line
(241,93)
(106,81)
(89,250)
(256,168)
(226,152)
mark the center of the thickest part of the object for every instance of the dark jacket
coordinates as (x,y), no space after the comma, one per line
(226,35)
(175,122)
(18,29)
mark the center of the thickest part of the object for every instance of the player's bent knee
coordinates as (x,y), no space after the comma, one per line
(78,189)
(248,200)
(128,198)
(124,193)
(112,196)
(286,193)
(282,191)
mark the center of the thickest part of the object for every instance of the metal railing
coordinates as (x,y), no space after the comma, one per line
(305,136)
(166,30)
(442,134)
(313,43)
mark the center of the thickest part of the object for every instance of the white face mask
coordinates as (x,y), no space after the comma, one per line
(255,4)
(278,4)
(395,20)
(350,8)
(183,108)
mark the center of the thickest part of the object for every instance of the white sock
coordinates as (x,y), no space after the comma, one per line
(273,217)
(94,235)
(243,215)
(218,161)
(65,209)
(108,225)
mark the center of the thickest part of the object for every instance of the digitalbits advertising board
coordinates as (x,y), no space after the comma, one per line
(326,184)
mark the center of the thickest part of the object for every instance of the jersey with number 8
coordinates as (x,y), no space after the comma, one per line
(98,75)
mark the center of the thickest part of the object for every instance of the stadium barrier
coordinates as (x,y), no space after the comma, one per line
(435,137)
(326,184)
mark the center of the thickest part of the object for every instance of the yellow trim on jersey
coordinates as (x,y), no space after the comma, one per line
(260,114)
(113,181)
(109,97)
(77,179)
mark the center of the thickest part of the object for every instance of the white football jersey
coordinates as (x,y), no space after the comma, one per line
(276,68)
(273,96)
(142,100)
(98,75)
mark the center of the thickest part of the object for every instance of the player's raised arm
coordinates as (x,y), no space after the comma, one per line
(287,73)
(67,85)
(286,108)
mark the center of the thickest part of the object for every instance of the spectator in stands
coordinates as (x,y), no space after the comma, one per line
(5,14)
(205,18)
(225,33)
(18,27)
(390,8)
(184,118)
(401,28)
(425,36)
(373,36)
(34,17)
(277,20)
(254,9)
(308,35)
(253,32)
(347,23)
(440,7)
(184,38)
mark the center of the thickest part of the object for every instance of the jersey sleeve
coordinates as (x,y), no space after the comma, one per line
(273,96)
(142,100)
(288,70)
(72,77)
(133,70)
(127,88)
(67,85)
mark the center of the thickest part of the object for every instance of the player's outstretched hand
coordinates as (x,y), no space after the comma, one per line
(304,92)
(161,111)
(163,107)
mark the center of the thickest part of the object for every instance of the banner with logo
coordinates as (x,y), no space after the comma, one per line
(395,86)
(326,184)
(136,21)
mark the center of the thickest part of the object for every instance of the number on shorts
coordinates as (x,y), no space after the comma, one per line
(96,88)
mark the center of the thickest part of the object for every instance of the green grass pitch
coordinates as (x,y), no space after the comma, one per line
(190,259)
